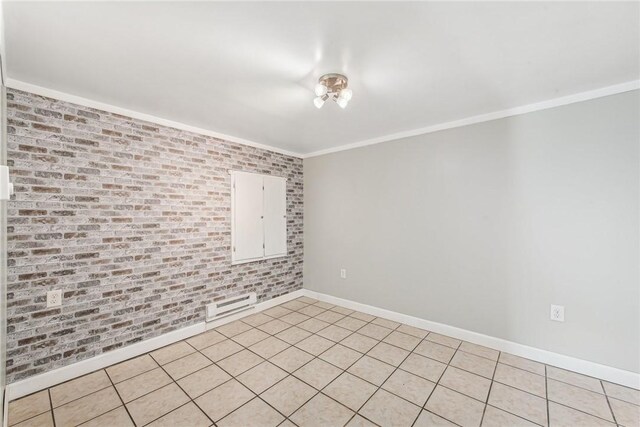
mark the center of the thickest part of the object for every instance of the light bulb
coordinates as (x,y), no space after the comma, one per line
(346,94)
(318,102)
(320,89)
(342,102)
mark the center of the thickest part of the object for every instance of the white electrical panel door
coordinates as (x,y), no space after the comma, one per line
(247,222)
(275,216)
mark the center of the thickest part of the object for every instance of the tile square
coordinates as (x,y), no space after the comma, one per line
(466,383)
(359,342)
(475,364)
(443,340)
(186,415)
(573,378)
(413,331)
(374,331)
(523,380)
(321,411)
(118,417)
(479,350)
(522,363)
(314,344)
(456,407)
(350,323)
(234,328)
(206,339)
(519,403)
(428,419)
(329,316)
(307,300)
(435,351)
(411,387)
(29,406)
(560,415)
(131,368)
(388,353)
(142,384)
(221,350)
(423,367)
(350,390)
(340,356)
(311,310)
(324,305)
(317,373)
(402,340)
(494,417)
(362,316)
(224,399)
(293,335)
(203,380)
(626,414)
(269,347)
(87,407)
(578,398)
(277,311)
(386,409)
(155,404)
(385,323)
(240,362)
(372,370)
(250,337)
(334,333)
(288,395)
(187,365)
(294,305)
(359,421)
(257,319)
(626,394)
(274,326)
(255,413)
(291,359)
(172,352)
(82,386)
(261,377)
(294,318)
(342,310)
(313,325)
(43,420)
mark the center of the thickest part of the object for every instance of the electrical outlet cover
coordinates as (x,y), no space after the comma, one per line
(54,298)
(343,273)
(557,313)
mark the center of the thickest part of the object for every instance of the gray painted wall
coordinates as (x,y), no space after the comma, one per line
(483,227)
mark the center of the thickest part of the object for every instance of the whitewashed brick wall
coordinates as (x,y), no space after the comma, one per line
(132,221)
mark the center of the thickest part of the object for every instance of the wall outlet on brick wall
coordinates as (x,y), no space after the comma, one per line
(54,298)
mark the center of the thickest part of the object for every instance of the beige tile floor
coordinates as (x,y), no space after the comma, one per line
(309,363)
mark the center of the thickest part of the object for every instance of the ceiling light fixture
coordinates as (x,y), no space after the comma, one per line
(332,86)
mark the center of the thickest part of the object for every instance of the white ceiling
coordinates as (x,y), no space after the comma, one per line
(248,69)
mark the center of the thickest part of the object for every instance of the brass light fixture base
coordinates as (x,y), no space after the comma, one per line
(332,86)
(334,82)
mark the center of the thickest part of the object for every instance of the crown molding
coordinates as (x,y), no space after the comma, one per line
(524,109)
(63,96)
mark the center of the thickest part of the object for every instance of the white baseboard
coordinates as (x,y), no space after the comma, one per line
(65,373)
(604,372)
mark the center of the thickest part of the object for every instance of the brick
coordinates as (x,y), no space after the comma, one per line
(126,217)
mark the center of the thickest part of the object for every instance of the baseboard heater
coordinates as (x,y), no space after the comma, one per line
(229,306)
